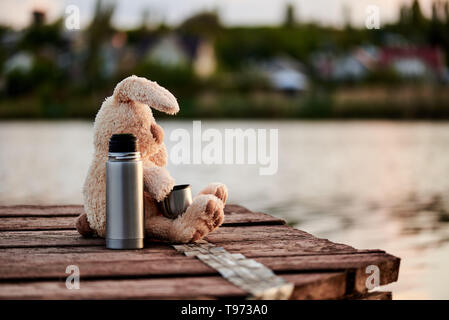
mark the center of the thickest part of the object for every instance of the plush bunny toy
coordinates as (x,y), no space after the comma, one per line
(128,111)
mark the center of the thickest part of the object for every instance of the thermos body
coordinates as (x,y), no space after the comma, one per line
(124,201)
(124,204)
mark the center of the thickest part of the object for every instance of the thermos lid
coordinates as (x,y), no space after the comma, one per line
(123,142)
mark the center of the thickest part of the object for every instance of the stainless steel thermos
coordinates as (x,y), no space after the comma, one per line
(124,194)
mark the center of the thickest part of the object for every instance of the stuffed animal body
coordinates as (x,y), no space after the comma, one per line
(128,111)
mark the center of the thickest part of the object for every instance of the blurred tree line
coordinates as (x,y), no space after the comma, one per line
(59,77)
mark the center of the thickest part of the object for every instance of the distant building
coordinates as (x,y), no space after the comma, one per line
(414,61)
(348,67)
(406,61)
(168,51)
(285,74)
(205,63)
(180,51)
(21,61)
(353,66)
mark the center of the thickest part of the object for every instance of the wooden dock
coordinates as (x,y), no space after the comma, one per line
(37,243)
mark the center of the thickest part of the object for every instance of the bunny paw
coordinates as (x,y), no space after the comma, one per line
(217,189)
(203,216)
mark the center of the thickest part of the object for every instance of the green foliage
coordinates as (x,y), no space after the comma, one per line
(206,24)
(37,36)
(17,82)
(236,46)
(383,76)
(43,72)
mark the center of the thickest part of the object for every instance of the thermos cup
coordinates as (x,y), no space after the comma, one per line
(177,202)
(124,194)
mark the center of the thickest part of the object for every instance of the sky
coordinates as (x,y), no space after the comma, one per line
(128,14)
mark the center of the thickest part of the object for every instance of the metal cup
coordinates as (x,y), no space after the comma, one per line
(176,203)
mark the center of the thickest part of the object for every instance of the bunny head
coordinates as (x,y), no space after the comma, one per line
(128,110)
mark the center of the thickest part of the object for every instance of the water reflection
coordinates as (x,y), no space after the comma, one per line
(368,184)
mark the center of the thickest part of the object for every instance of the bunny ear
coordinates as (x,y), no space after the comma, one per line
(149,92)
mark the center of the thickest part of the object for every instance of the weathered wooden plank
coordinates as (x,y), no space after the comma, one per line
(249,218)
(289,247)
(51,238)
(236,214)
(38,210)
(324,288)
(154,249)
(37,223)
(307,286)
(388,266)
(33,223)
(258,233)
(39,218)
(269,234)
(55,268)
(134,263)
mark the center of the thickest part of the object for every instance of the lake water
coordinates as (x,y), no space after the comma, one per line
(368,184)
